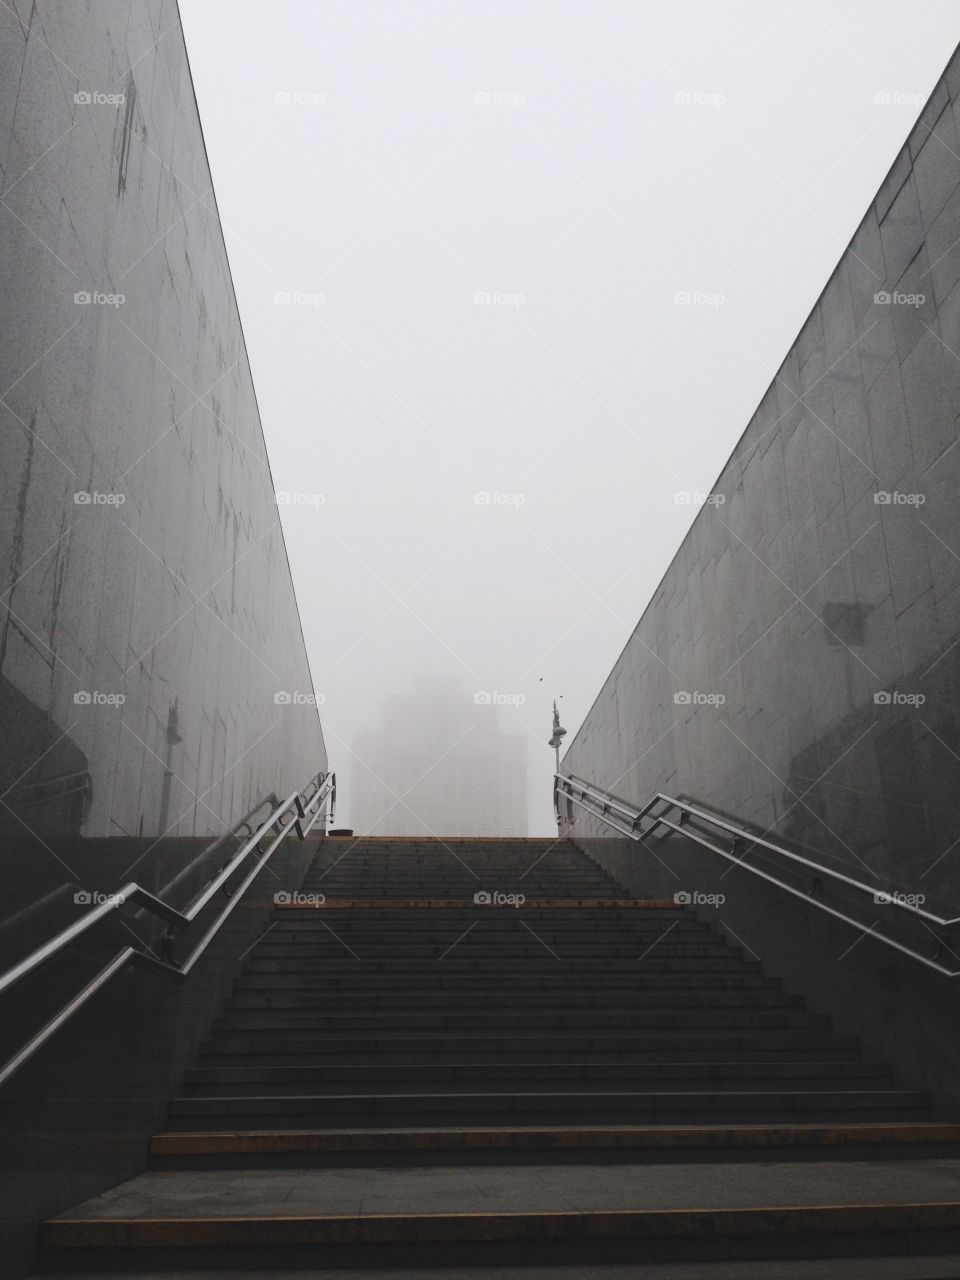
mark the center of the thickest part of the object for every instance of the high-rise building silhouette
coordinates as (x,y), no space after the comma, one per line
(441,764)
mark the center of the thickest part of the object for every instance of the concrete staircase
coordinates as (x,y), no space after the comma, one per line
(416,1066)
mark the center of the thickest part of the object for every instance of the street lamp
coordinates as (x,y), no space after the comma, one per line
(555,739)
(558,733)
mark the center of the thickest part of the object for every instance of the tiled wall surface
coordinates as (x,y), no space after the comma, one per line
(798,666)
(145,632)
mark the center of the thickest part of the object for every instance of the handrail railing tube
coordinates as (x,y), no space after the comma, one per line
(324,787)
(235,833)
(741,833)
(181,970)
(597,802)
(908,907)
(49,1029)
(133,892)
(200,901)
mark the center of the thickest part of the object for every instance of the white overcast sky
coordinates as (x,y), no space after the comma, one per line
(582,196)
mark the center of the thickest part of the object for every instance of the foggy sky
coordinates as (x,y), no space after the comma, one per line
(458,232)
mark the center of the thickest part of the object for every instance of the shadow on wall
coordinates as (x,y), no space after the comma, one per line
(878,789)
(53,795)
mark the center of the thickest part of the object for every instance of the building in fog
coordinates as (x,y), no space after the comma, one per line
(442,764)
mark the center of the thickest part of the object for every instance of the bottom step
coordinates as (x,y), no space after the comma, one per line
(533,1212)
(941,1267)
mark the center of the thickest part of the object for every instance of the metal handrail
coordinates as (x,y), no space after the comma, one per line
(299,812)
(628,819)
(243,827)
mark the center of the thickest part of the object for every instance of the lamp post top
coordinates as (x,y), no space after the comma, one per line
(558,732)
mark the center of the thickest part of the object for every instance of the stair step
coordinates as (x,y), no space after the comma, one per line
(504,921)
(519,949)
(535,998)
(455,962)
(502,1020)
(282,980)
(805,1209)
(307,925)
(672,1074)
(305,1050)
(668,1105)
(645,1140)
(676,1046)
(407,897)
(517,1078)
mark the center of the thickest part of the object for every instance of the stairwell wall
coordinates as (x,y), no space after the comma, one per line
(154,683)
(798,667)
